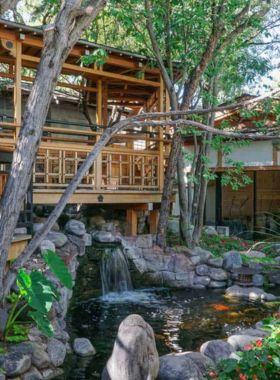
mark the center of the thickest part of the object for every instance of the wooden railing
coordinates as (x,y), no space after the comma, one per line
(119,167)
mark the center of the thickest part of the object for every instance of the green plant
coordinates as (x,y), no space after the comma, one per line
(259,360)
(38,292)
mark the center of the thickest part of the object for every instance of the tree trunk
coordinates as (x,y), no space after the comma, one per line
(59,40)
(5,5)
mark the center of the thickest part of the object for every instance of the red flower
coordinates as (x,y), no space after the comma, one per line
(269,358)
(248,347)
(212,374)
(259,343)
(264,368)
(258,356)
(242,377)
(237,369)
(255,376)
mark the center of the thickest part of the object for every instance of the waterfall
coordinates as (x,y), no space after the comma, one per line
(115,273)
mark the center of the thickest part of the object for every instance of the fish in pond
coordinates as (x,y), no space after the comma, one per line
(220,307)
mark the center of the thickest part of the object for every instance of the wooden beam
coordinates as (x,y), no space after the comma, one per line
(96,73)
(275,155)
(17,87)
(154,215)
(105,105)
(131,223)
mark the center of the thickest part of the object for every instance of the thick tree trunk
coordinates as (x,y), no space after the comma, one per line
(59,40)
(5,5)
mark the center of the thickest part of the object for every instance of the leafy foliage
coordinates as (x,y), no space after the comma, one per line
(258,361)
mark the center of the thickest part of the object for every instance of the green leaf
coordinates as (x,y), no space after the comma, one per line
(58,267)
(37,276)
(39,295)
(43,323)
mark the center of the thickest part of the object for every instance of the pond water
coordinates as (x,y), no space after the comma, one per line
(182,321)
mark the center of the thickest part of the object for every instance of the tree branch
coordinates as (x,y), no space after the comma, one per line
(5,5)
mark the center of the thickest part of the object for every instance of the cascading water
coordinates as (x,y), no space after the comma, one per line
(115,273)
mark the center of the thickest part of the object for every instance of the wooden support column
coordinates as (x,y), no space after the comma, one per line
(17,86)
(154,215)
(104,101)
(160,148)
(98,162)
(131,223)
(167,109)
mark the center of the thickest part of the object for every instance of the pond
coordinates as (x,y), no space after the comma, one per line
(182,321)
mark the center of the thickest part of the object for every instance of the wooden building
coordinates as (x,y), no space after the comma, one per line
(130,171)
(247,208)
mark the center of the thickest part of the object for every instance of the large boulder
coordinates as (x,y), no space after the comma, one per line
(178,367)
(56,351)
(216,263)
(75,227)
(217,350)
(134,354)
(83,347)
(45,245)
(232,260)
(57,238)
(202,280)
(39,358)
(202,270)
(3,320)
(218,274)
(203,363)
(103,237)
(238,342)
(204,255)
(254,254)
(144,241)
(274,277)
(32,374)
(251,293)
(258,280)
(15,364)
(217,284)
(96,221)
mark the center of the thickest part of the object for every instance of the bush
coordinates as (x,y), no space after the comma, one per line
(260,360)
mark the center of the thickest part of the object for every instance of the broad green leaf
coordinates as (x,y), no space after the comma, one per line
(58,267)
(43,323)
(40,278)
(39,295)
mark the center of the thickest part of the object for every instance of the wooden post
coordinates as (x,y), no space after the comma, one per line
(105,106)
(98,162)
(17,86)
(160,145)
(167,109)
(131,223)
(154,215)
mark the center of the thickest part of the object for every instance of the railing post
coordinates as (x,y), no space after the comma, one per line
(17,87)
(160,145)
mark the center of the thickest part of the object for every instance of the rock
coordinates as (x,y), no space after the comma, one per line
(254,332)
(202,270)
(218,274)
(75,227)
(203,363)
(3,320)
(217,284)
(110,227)
(144,241)
(56,351)
(216,263)
(273,277)
(202,280)
(50,373)
(57,238)
(39,222)
(103,237)
(37,227)
(32,374)
(21,231)
(217,350)
(96,221)
(210,230)
(196,260)
(251,293)
(254,254)
(45,245)
(257,266)
(258,280)
(2,376)
(239,341)
(173,225)
(83,347)
(178,367)
(78,245)
(199,287)
(87,239)
(139,360)
(184,279)
(232,260)
(15,364)
(204,255)
(58,328)
(39,358)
